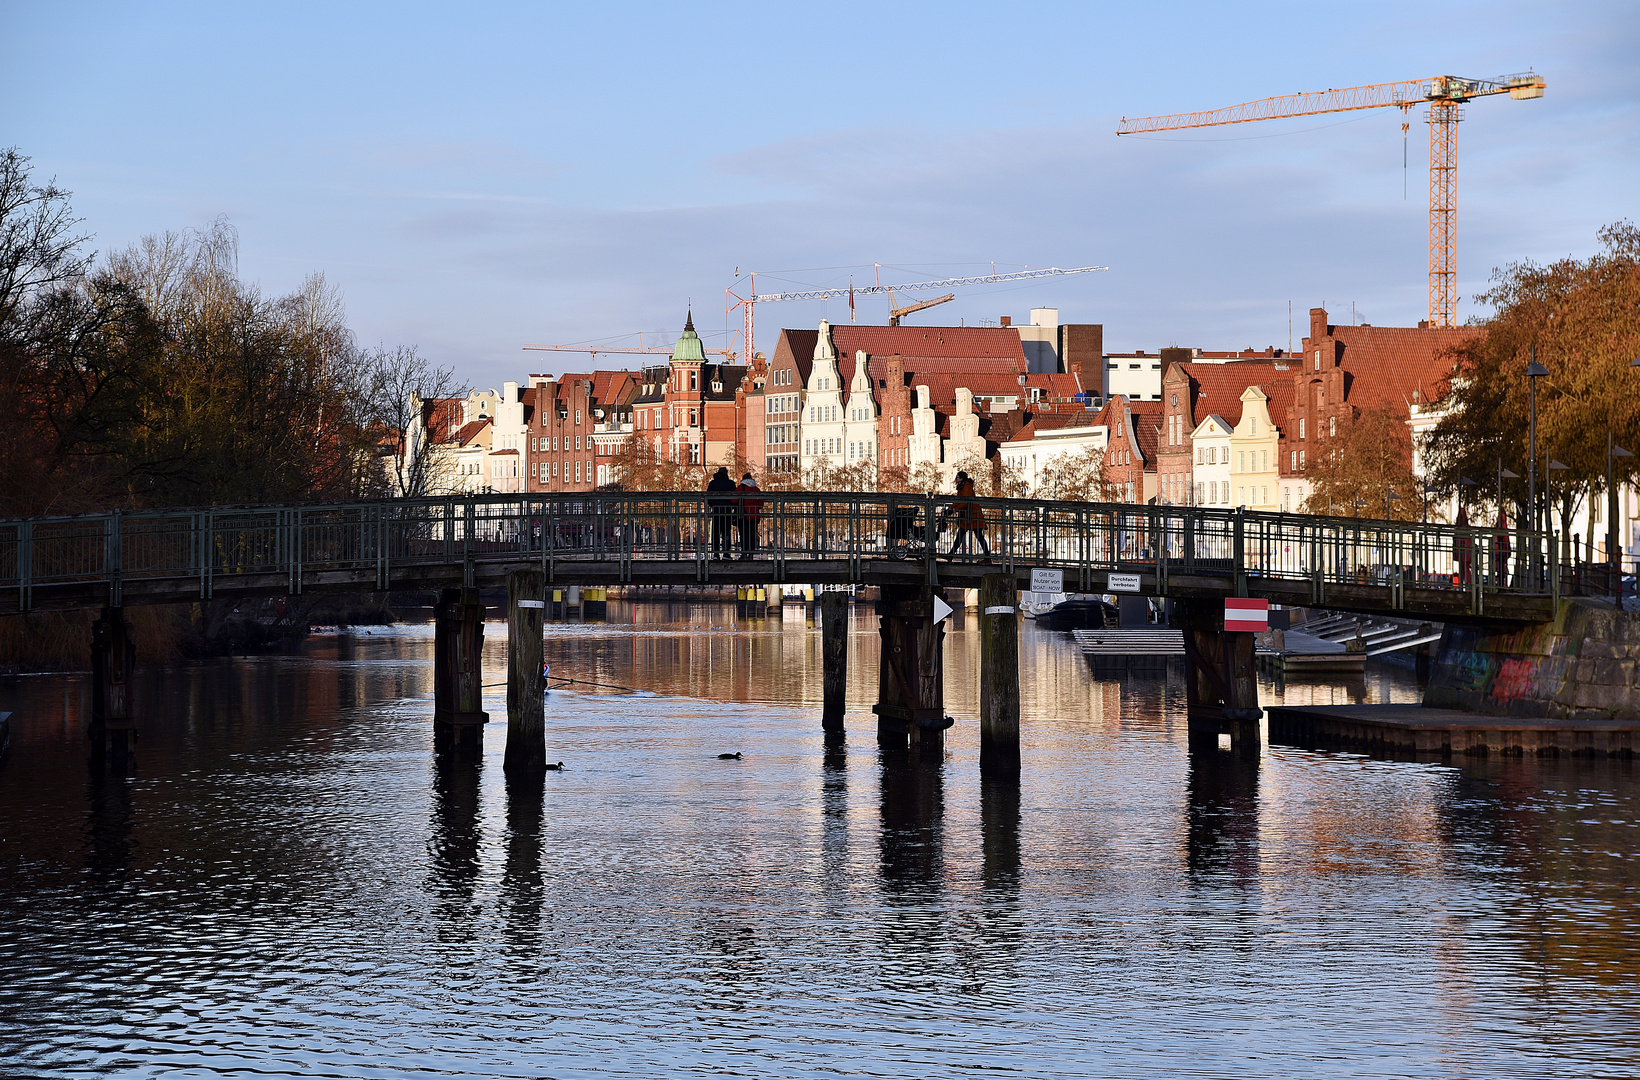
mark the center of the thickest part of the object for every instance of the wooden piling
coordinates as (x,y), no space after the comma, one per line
(1221,690)
(113,656)
(526,688)
(458,670)
(834,658)
(998,674)
(911,675)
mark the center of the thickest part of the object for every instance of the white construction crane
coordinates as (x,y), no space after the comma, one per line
(733,300)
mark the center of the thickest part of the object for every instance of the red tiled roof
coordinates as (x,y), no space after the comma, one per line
(1386,364)
(796,347)
(493,453)
(1145,416)
(1054,384)
(1218,387)
(919,344)
(1054,421)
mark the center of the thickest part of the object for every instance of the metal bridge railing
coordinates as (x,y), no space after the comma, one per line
(211,546)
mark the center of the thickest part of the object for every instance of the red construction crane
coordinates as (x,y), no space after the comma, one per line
(1443,93)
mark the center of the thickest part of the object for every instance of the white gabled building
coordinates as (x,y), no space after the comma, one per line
(824,431)
(1211,444)
(860,437)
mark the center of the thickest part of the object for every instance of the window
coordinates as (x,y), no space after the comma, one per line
(555,468)
(1252,425)
(1301,427)
(1264,461)
(1301,459)
(577,442)
(1242,461)
(1318,359)
(1332,426)
(1295,459)
(1263,496)
(577,416)
(691,380)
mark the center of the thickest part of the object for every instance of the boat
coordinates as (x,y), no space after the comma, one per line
(1079,614)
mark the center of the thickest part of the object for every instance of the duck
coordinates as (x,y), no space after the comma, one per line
(729,757)
(555,768)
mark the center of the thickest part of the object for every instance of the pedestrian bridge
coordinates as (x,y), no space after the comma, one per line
(838,538)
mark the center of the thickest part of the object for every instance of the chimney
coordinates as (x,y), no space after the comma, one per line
(1172,355)
(1318,324)
(1007,320)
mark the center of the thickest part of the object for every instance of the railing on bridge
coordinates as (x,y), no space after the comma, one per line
(377,540)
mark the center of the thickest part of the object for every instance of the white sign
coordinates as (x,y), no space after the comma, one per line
(1123,582)
(532,603)
(941,609)
(999,611)
(1047,581)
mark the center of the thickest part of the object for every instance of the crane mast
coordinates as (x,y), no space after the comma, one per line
(1443,94)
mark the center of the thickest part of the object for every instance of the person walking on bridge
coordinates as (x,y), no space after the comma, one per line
(751,513)
(970,518)
(723,512)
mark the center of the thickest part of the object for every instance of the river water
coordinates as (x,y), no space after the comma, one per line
(289,883)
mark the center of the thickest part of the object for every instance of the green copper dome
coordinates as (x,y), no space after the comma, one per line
(689,349)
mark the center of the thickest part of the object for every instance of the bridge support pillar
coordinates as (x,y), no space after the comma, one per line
(998,675)
(458,670)
(1221,687)
(526,688)
(911,677)
(834,659)
(113,658)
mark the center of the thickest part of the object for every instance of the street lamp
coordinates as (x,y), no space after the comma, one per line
(1614,554)
(1534,372)
(1548,498)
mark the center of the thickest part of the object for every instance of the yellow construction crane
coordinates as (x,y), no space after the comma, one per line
(894,312)
(1443,94)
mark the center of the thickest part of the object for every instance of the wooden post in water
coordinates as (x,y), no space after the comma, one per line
(113,656)
(998,674)
(1221,688)
(458,670)
(834,658)
(911,676)
(526,689)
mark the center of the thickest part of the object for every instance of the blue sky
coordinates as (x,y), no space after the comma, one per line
(476,177)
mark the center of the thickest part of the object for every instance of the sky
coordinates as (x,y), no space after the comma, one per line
(474,178)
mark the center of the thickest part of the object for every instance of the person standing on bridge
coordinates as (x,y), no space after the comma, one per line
(751,513)
(723,512)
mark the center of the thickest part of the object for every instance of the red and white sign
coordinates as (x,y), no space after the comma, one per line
(1246,615)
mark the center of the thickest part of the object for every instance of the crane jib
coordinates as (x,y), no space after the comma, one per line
(941,283)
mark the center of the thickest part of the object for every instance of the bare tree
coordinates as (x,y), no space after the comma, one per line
(40,244)
(408,399)
(1074,476)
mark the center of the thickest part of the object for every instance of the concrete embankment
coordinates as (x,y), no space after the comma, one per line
(1566,687)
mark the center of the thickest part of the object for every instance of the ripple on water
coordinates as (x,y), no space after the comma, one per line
(293,885)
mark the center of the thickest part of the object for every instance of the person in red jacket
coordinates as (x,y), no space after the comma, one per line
(751,512)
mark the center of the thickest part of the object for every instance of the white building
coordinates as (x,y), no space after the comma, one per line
(860,435)
(1039,445)
(1211,444)
(824,429)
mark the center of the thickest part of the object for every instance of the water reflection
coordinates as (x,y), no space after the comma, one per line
(1221,797)
(523,894)
(454,848)
(108,826)
(913,808)
(815,909)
